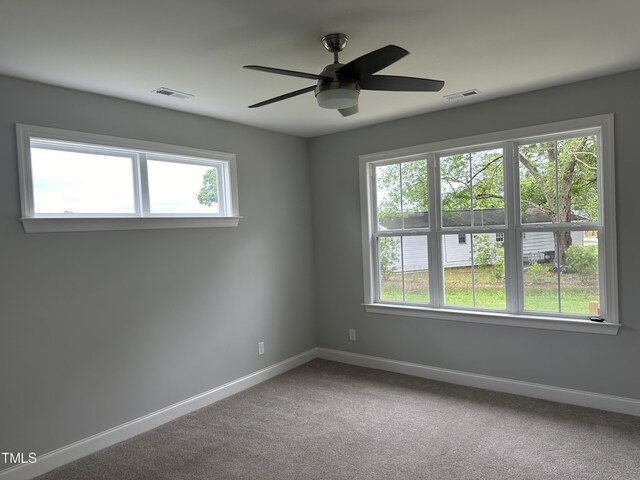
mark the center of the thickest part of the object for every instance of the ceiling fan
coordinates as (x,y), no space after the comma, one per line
(338,85)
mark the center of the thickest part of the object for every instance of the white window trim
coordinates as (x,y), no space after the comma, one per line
(142,219)
(608,260)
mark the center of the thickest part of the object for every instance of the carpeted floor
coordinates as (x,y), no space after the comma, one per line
(327,420)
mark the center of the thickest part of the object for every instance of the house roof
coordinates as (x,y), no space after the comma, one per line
(462,218)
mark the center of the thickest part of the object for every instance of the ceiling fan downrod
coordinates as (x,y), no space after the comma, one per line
(335,43)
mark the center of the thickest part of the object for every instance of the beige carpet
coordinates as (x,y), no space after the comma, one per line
(327,420)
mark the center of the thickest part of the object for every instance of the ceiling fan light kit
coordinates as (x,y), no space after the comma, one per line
(338,98)
(338,85)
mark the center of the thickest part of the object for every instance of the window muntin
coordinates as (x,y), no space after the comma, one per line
(513,235)
(72,181)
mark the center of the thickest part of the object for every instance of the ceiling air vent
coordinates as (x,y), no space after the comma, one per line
(172,93)
(460,95)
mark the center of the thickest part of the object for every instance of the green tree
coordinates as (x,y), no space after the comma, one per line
(583,259)
(402,188)
(466,180)
(472,181)
(208,194)
(388,255)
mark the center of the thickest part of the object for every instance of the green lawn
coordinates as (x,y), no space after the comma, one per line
(541,292)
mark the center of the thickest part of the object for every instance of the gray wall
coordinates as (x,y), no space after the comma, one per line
(100,328)
(597,363)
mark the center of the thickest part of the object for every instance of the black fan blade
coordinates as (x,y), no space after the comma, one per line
(349,111)
(284,97)
(290,73)
(400,84)
(372,62)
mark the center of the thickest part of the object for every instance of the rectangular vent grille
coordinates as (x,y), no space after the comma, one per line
(460,95)
(172,93)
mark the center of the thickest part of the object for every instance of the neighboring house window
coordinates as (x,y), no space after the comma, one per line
(79,181)
(518,230)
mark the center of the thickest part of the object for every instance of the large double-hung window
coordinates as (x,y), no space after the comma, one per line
(513,228)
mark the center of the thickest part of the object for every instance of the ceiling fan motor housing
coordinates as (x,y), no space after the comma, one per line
(335,93)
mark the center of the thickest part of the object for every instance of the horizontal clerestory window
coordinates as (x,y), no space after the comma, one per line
(76,181)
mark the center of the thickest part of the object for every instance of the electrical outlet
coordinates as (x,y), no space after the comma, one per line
(260,348)
(352,334)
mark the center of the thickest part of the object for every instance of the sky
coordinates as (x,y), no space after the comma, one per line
(84,183)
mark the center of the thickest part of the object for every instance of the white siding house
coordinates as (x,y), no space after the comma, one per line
(536,246)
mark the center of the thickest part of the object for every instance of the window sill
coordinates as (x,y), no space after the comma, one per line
(93,224)
(498,318)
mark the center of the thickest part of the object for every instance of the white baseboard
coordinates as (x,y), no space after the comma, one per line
(81,448)
(556,394)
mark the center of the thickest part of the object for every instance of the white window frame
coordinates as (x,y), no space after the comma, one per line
(139,151)
(602,125)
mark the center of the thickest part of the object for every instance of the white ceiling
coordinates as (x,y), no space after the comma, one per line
(127,48)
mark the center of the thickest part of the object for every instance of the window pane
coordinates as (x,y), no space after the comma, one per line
(84,183)
(541,287)
(402,195)
(390,269)
(487,182)
(414,194)
(474,271)
(538,188)
(389,206)
(183,188)
(472,189)
(458,275)
(416,269)
(561,272)
(579,190)
(579,283)
(455,190)
(558,181)
(404,272)
(488,273)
